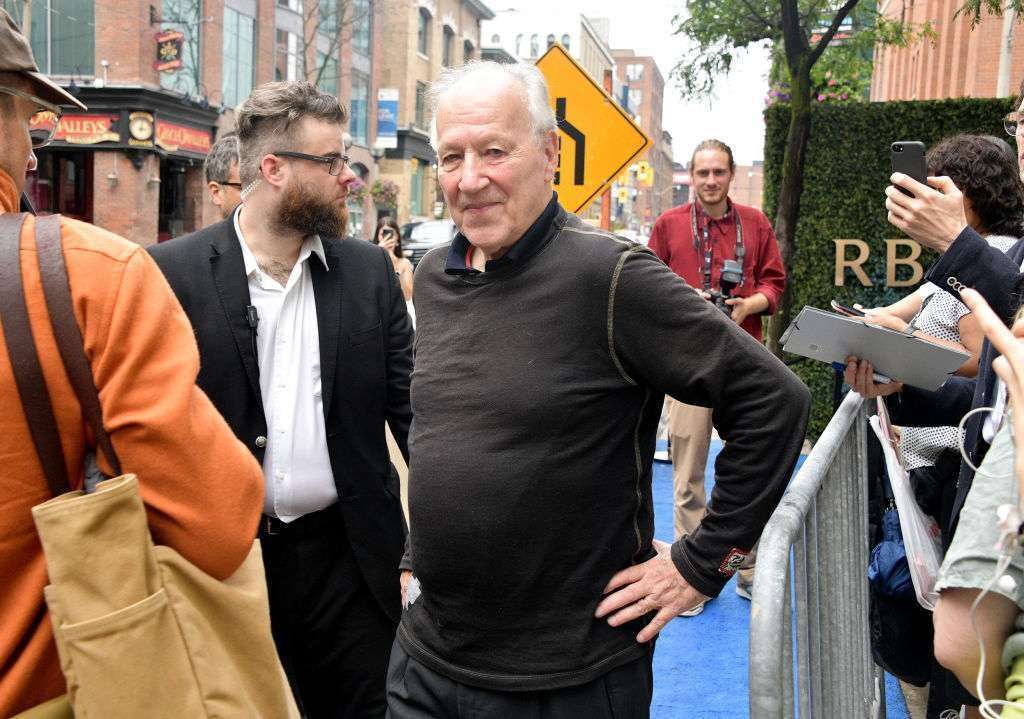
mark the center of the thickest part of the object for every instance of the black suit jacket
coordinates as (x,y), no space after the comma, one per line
(996,276)
(365,360)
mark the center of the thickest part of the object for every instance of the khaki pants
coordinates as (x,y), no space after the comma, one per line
(689,430)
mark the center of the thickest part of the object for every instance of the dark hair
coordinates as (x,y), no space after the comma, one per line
(389,221)
(988,176)
(222,156)
(266,120)
(714,145)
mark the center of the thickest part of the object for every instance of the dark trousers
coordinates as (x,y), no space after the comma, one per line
(416,692)
(331,634)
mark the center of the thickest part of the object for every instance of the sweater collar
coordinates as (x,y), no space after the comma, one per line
(525,247)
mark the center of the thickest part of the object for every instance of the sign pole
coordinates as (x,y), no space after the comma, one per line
(606,196)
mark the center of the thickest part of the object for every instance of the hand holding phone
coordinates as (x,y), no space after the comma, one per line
(908,157)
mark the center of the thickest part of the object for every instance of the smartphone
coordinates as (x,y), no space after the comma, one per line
(907,156)
(844,310)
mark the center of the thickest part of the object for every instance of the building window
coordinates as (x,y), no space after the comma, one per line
(467,51)
(62,183)
(551,40)
(534,46)
(421,105)
(423,32)
(63,34)
(634,71)
(636,98)
(184,15)
(327,73)
(239,46)
(496,40)
(359,108)
(447,47)
(362,27)
(416,191)
(289,65)
(327,24)
(295,5)
(565,41)
(519,45)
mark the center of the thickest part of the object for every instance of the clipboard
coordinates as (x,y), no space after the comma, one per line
(829,337)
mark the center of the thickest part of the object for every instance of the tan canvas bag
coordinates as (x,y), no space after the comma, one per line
(140,631)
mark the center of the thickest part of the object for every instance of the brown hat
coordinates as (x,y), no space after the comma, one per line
(16,56)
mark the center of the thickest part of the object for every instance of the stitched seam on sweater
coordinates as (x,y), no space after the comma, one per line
(485,675)
(611,318)
(639,474)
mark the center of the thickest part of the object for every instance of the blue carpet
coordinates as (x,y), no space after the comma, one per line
(700,664)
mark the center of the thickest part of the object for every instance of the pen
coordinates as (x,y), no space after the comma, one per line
(878,378)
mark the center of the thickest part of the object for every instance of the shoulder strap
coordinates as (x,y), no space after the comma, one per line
(21,349)
(54,274)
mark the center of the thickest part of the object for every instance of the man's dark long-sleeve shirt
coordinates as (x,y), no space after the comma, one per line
(536,396)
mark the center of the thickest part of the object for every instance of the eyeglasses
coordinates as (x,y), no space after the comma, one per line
(230,184)
(1010,123)
(336,163)
(44,121)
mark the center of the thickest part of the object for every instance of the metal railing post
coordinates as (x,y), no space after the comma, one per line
(822,522)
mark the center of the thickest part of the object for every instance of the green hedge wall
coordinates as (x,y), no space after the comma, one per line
(844,182)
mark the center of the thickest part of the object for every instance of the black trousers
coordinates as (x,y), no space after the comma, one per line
(331,634)
(416,692)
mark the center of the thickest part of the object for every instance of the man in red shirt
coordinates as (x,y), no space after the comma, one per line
(695,240)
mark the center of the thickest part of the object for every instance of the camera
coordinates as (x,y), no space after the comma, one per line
(897,147)
(730,279)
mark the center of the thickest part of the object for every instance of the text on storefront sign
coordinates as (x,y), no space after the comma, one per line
(892,261)
(81,129)
(173,137)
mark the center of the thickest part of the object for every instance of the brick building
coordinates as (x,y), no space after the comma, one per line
(132,163)
(641,90)
(961,63)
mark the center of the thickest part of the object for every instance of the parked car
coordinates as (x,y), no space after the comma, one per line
(425,237)
(407,229)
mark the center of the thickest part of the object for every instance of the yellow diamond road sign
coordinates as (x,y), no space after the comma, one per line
(597,139)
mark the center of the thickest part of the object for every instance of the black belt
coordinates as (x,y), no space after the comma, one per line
(312,523)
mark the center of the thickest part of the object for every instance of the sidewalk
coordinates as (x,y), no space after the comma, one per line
(700,664)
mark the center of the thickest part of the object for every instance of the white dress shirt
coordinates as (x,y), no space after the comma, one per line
(296,465)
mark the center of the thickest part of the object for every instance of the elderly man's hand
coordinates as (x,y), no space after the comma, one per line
(655,585)
(933,217)
(859,374)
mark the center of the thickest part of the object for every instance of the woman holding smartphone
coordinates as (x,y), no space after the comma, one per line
(388,236)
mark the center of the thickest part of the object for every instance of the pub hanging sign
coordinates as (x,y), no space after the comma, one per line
(169,45)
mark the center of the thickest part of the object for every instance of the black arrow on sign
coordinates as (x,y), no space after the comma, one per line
(578,137)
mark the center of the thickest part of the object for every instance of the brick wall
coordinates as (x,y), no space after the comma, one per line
(126,206)
(961,63)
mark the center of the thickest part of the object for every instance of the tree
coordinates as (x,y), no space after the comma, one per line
(801,32)
(325,24)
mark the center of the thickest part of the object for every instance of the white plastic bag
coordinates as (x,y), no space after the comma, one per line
(921,537)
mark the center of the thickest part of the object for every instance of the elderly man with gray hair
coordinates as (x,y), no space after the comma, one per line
(222,179)
(543,351)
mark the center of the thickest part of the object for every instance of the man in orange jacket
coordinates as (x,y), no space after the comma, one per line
(202,488)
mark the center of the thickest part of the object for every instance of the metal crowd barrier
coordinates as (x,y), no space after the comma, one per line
(815,548)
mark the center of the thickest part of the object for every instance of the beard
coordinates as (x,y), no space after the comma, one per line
(304,210)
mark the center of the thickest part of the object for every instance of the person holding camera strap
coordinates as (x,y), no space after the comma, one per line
(727,252)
